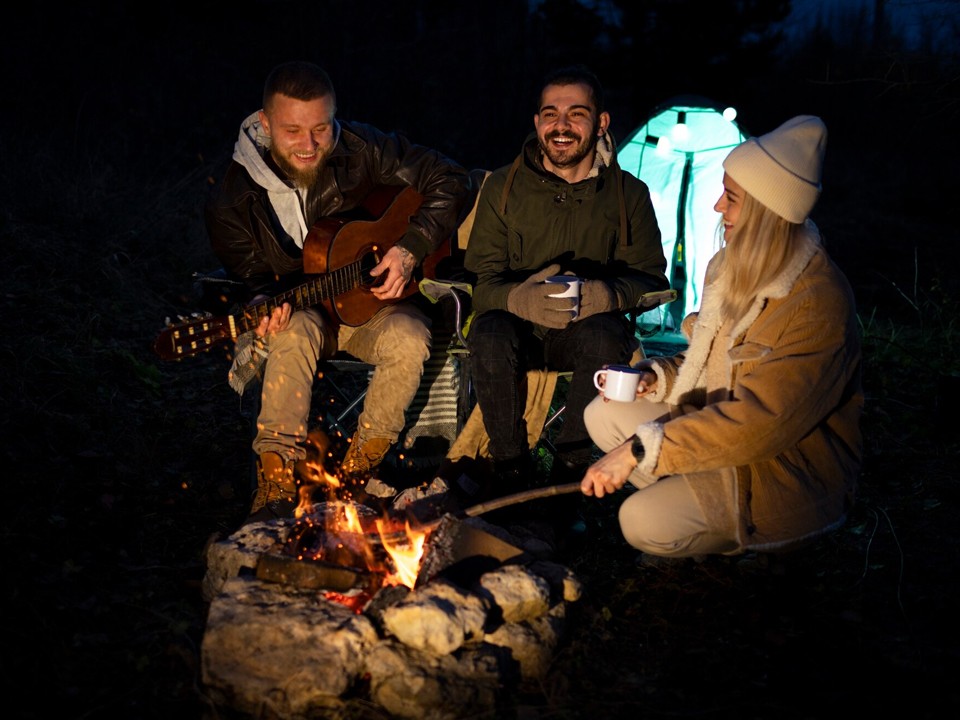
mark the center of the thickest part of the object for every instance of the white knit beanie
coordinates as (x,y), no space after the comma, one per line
(782,169)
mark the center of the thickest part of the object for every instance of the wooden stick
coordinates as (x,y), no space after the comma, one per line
(497,503)
(520,497)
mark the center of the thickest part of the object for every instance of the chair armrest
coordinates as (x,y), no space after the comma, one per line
(651,300)
(461,292)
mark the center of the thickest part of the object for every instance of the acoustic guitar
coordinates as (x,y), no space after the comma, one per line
(338,254)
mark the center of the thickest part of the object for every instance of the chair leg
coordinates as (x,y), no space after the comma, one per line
(340,392)
(545,441)
(555,416)
(465,398)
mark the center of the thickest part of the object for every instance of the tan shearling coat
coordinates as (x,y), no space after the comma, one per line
(777,399)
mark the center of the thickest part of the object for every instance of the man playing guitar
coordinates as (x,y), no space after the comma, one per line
(295,164)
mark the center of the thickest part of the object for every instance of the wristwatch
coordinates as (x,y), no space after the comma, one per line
(636,447)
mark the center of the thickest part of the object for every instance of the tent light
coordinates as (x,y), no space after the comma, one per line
(730,114)
(680,133)
(664,146)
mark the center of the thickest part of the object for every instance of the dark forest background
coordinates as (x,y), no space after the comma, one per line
(129,95)
(118,118)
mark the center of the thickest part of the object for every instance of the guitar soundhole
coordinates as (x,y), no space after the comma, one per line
(368,262)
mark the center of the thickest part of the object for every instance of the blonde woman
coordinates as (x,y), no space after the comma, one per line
(750,439)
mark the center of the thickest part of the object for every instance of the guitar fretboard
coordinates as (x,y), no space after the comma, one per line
(311,293)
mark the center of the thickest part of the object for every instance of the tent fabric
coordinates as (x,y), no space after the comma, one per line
(678,152)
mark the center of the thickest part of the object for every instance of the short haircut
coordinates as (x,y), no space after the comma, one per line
(574,75)
(298,80)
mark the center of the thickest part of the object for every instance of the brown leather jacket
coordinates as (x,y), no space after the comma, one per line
(251,244)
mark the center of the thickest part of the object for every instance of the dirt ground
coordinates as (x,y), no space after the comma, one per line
(105,619)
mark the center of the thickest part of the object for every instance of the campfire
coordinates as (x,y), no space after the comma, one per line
(427,617)
(339,544)
(341,534)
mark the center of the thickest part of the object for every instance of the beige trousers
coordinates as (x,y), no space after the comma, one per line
(396,341)
(662,517)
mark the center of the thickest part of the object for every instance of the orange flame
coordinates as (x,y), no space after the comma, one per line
(313,477)
(403,547)
(406,553)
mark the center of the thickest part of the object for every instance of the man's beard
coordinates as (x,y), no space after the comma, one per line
(572,157)
(301,177)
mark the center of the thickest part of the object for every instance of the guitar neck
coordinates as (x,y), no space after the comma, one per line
(309,294)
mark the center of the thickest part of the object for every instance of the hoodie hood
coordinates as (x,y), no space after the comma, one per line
(249,151)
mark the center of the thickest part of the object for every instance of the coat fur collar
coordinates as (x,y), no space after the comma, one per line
(706,326)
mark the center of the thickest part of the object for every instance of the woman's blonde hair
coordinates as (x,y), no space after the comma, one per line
(759,247)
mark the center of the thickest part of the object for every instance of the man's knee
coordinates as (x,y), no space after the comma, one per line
(494,333)
(303,328)
(607,335)
(406,335)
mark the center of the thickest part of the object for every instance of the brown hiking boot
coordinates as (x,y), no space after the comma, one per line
(362,459)
(276,489)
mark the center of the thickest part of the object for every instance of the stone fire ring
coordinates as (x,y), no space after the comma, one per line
(450,646)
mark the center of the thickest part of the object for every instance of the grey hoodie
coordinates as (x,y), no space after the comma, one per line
(287,204)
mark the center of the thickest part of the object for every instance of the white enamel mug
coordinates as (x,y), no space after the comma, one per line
(620,382)
(572,290)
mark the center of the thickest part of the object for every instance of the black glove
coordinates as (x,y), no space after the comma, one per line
(531,300)
(596,297)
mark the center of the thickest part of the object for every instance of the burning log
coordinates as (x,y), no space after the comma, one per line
(315,574)
(462,552)
(330,548)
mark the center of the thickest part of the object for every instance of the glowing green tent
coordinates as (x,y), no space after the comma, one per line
(678,152)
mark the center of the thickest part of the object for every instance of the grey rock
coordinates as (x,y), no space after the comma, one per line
(267,647)
(438,618)
(519,593)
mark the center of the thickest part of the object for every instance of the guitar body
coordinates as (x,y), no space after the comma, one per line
(338,255)
(335,243)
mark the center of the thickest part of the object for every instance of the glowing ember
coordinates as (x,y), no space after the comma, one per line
(355,602)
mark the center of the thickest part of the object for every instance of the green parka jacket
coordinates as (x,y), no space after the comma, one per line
(603,227)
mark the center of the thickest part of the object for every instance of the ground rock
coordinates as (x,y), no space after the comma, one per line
(519,593)
(562,579)
(532,643)
(225,558)
(274,652)
(413,684)
(439,618)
